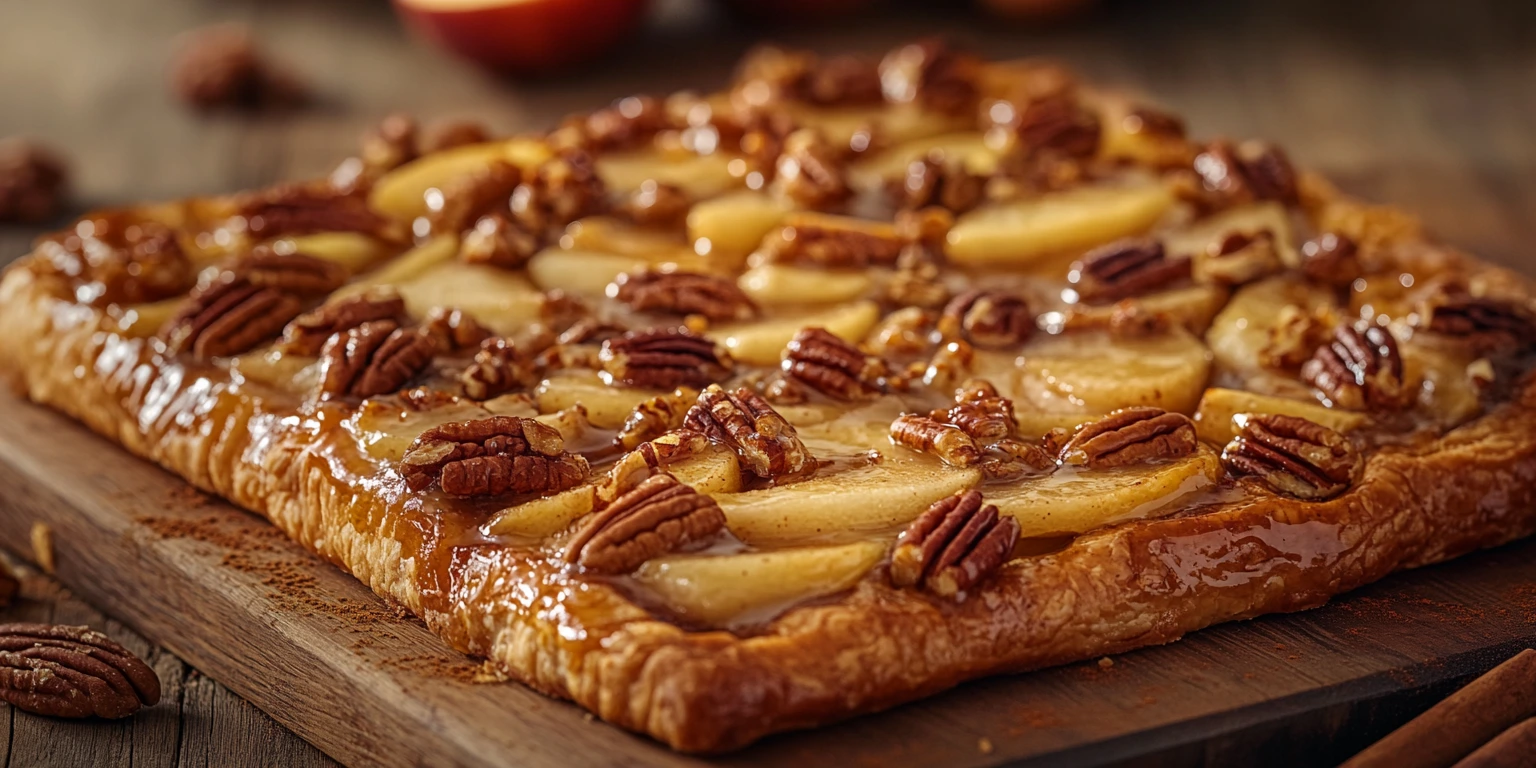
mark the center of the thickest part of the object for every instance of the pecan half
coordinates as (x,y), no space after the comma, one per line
(933,181)
(499,240)
(683,293)
(663,358)
(228,317)
(1237,258)
(1058,124)
(1292,455)
(1486,323)
(829,241)
(469,197)
(293,273)
(496,369)
(1331,259)
(946,441)
(33,182)
(821,360)
(300,209)
(308,332)
(455,329)
(1360,368)
(564,188)
(953,546)
(932,74)
(657,517)
(748,425)
(63,671)
(374,358)
(126,258)
(988,319)
(810,171)
(1131,436)
(489,457)
(656,417)
(1233,174)
(1125,269)
(980,412)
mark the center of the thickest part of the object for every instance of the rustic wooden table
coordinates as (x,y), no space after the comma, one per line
(1410,101)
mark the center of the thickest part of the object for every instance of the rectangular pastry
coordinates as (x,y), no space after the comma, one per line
(727,414)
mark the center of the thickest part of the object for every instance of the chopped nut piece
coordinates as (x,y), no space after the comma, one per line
(748,425)
(1295,337)
(656,205)
(626,123)
(657,517)
(307,334)
(810,172)
(497,369)
(1361,368)
(953,546)
(489,457)
(1125,269)
(829,241)
(1292,456)
(228,317)
(33,182)
(823,361)
(981,413)
(298,209)
(1487,324)
(220,67)
(484,192)
(1331,259)
(946,441)
(656,417)
(1131,436)
(932,181)
(455,329)
(989,319)
(374,358)
(293,273)
(683,293)
(1235,174)
(1237,258)
(905,332)
(932,74)
(500,241)
(129,260)
(564,188)
(663,358)
(74,672)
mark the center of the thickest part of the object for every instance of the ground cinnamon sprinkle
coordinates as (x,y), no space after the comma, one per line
(1030,718)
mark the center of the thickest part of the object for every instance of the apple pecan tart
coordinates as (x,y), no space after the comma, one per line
(727,414)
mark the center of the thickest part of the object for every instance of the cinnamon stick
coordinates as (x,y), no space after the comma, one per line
(1514,748)
(1463,722)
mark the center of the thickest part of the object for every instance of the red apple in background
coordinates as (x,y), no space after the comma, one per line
(524,36)
(794,11)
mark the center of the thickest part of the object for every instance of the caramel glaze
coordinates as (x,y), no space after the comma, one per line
(1231,554)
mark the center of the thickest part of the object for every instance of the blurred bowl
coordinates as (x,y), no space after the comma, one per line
(524,37)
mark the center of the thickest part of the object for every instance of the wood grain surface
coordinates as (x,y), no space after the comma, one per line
(1414,102)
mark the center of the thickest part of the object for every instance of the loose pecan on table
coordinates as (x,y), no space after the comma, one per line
(935,181)
(498,368)
(63,671)
(220,67)
(747,424)
(454,329)
(1359,368)
(301,209)
(810,171)
(1233,174)
(308,332)
(1292,456)
(932,74)
(129,259)
(228,317)
(492,456)
(1124,269)
(375,358)
(656,417)
(33,182)
(660,515)
(953,546)
(1237,258)
(989,319)
(663,358)
(1487,324)
(1131,436)
(1331,259)
(821,360)
(683,293)
(294,273)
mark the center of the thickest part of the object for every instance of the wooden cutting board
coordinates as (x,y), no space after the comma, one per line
(313,648)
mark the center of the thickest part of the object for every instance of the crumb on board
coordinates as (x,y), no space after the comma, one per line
(1106,663)
(42,546)
(984,745)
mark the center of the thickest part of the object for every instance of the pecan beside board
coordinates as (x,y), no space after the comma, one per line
(74,672)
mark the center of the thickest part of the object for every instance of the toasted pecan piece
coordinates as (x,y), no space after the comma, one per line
(658,516)
(308,332)
(821,360)
(228,317)
(990,319)
(953,546)
(1124,269)
(294,273)
(1293,456)
(374,358)
(33,182)
(683,293)
(65,671)
(1488,324)
(1131,436)
(663,358)
(492,456)
(744,422)
(1239,173)
(1359,368)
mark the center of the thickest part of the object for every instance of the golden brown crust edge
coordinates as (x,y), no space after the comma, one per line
(1123,588)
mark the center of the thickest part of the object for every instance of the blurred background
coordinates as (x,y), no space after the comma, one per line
(1420,102)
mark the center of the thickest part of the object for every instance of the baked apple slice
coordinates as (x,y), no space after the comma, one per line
(752,587)
(1020,233)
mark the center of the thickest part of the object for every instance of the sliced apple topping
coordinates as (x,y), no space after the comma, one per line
(404,193)
(734,223)
(500,300)
(779,285)
(968,148)
(1213,419)
(607,407)
(761,342)
(847,126)
(438,250)
(144,320)
(1243,329)
(357,252)
(1254,219)
(545,516)
(698,175)
(1020,233)
(752,587)
(1077,500)
(386,429)
(1446,379)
